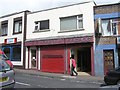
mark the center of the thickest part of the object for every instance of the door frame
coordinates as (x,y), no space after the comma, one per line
(107,60)
(30,62)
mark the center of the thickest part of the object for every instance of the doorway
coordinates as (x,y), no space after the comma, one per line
(108,56)
(33,58)
(83,59)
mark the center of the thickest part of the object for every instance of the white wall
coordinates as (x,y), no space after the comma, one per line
(10,28)
(26,60)
(10,33)
(54,14)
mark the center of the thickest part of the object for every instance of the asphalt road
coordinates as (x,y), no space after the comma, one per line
(34,81)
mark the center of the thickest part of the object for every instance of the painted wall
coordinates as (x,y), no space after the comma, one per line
(99,61)
(10,28)
(54,16)
(19,37)
(105,43)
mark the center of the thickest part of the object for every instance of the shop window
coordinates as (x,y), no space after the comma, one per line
(4,28)
(17,25)
(71,23)
(16,54)
(41,25)
(7,52)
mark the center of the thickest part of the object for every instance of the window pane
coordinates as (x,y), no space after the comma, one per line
(16,54)
(7,52)
(4,29)
(106,27)
(20,27)
(114,28)
(80,24)
(44,24)
(37,25)
(17,26)
(68,23)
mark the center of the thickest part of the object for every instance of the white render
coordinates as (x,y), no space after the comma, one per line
(54,14)
(26,60)
(10,35)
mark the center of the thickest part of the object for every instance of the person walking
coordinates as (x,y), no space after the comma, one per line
(73,66)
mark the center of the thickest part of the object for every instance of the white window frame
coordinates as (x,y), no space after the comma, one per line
(38,24)
(111,28)
(79,19)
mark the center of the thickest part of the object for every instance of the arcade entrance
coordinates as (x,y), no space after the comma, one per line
(83,59)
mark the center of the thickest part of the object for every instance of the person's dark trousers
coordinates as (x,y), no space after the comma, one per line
(73,71)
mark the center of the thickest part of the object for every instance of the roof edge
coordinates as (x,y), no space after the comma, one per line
(14,13)
(109,4)
(62,6)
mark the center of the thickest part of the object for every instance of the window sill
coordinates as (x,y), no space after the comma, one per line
(71,30)
(45,30)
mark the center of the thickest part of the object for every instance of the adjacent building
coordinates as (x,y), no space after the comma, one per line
(53,35)
(107,40)
(13,35)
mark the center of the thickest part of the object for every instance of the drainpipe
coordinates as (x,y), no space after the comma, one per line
(92,61)
(24,37)
(66,60)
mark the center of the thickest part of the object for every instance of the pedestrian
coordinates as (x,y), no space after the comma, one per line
(73,66)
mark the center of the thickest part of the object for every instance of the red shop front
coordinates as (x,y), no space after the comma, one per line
(53,59)
(55,54)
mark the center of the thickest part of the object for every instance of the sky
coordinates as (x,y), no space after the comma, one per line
(12,6)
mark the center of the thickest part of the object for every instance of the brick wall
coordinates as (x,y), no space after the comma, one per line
(103,9)
(106,40)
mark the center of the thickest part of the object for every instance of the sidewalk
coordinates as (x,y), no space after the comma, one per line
(89,79)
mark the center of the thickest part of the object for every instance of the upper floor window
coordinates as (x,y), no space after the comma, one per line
(71,23)
(109,27)
(41,25)
(17,25)
(4,28)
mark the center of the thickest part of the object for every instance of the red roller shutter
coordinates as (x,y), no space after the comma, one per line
(52,60)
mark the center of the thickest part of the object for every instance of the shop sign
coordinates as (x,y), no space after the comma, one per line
(10,40)
(84,39)
(79,40)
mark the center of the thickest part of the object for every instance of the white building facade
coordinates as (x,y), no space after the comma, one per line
(12,36)
(53,35)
